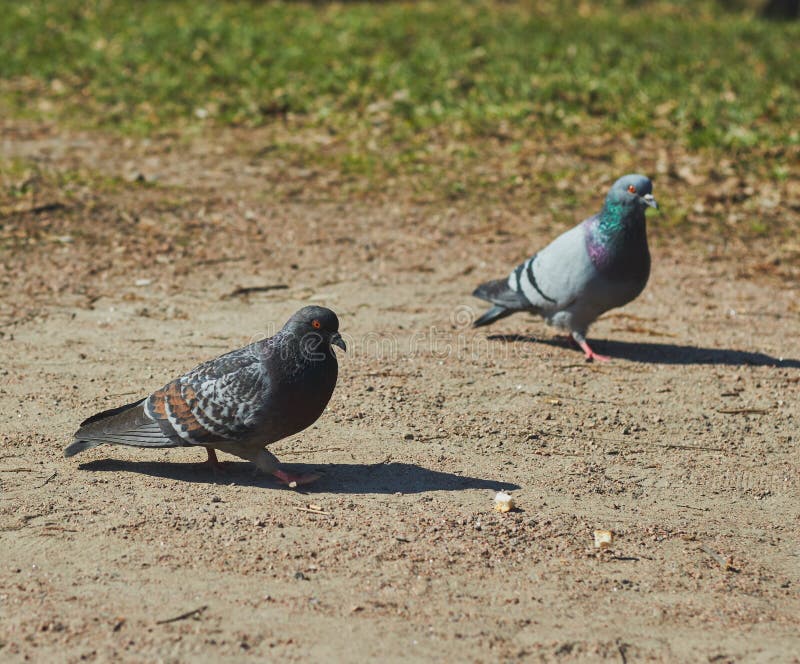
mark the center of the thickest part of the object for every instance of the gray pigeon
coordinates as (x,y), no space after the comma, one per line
(600,264)
(237,403)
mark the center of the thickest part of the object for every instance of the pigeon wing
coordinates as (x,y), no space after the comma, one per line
(556,277)
(219,401)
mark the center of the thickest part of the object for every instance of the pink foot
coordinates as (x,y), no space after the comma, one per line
(292,480)
(591,355)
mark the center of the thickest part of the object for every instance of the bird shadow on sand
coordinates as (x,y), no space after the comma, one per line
(657,353)
(352,478)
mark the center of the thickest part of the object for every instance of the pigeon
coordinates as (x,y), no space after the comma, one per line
(600,264)
(239,402)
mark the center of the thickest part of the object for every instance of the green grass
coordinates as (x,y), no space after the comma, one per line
(390,70)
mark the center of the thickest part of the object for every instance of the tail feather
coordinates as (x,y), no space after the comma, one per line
(505,301)
(125,425)
(105,414)
(79,446)
(494,314)
(498,292)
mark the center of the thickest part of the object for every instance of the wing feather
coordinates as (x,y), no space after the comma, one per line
(126,425)
(217,401)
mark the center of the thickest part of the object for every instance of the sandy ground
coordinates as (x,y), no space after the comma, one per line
(685,445)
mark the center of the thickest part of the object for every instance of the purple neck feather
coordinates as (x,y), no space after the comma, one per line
(616,243)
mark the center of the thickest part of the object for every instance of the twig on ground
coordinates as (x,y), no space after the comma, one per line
(19,321)
(318,449)
(55,472)
(622,314)
(692,507)
(123,394)
(39,209)
(594,438)
(743,411)
(623,439)
(643,330)
(425,439)
(312,510)
(183,616)
(622,647)
(55,526)
(217,261)
(247,290)
(672,446)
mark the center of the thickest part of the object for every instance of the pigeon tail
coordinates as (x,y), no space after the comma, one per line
(125,425)
(79,446)
(495,313)
(505,301)
(498,292)
(105,414)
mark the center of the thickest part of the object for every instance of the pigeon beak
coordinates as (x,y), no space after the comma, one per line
(649,200)
(336,340)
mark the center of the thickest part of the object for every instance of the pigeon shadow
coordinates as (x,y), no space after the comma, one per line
(351,478)
(657,353)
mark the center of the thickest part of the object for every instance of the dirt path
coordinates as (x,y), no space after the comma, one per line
(685,445)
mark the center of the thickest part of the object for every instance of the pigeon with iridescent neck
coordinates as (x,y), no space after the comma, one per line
(237,403)
(600,264)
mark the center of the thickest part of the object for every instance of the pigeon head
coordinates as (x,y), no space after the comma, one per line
(315,327)
(631,192)
(617,237)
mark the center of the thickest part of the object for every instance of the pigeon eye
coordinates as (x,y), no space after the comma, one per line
(631,189)
(316,324)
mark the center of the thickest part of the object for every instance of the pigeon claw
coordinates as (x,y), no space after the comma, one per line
(591,355)
(293,480)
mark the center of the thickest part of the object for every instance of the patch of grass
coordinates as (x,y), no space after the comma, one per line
(684,72)
(23,178)
(490,104)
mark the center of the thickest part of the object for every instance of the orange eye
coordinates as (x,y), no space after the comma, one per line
(631,189)
(316,324)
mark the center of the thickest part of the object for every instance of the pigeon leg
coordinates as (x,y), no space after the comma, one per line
(566,339)
(212,461)
(590,354)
